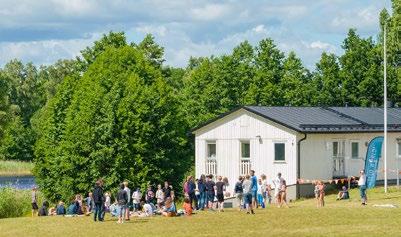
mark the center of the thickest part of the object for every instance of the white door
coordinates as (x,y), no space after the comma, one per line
(338,158)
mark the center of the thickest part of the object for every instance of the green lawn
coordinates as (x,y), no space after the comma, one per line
(338,218)
(15,168)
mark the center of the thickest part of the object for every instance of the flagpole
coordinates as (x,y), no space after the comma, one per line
(385,110)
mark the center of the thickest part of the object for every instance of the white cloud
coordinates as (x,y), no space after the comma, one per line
(209,12)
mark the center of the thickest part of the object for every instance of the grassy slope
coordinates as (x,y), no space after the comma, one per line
(338,218)
(17,168)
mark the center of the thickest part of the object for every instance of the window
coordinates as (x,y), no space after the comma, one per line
(355,150)
(338,148)
(279,151)
(211,150)
(399,149)
(245,150)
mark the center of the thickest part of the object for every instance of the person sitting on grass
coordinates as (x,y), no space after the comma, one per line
(343,194)
(60,209)
(187,206)
(43,210)
(170,209)
(147,209)
(113,209)
(72,208)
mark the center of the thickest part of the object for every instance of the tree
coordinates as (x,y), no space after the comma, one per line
(326,82)
(122,123)
(153,52)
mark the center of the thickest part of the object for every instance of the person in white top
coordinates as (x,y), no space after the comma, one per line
(362,187)
(159,196)
(129,199)
(277,182)
(136,199)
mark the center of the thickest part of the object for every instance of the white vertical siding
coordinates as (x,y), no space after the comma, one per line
(317,150)
(228,133)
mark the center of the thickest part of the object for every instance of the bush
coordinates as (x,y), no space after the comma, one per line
(15,202)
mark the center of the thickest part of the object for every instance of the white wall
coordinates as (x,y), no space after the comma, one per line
(241,125)
(317,150)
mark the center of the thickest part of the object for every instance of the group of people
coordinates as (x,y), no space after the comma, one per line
(199,194)
(251,192)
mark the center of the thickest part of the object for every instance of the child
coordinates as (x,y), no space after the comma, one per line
(34,202)
(260,194)
(187,207)
(283,194)
(264,188)
(197,194)
(239,191)
(269,194)
(343,194)
(220,188)
(170,208)
(159,196)
(316,191)
(43,210)
(320,187)
(136,199)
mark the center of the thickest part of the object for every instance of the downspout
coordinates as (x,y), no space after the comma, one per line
(299,164)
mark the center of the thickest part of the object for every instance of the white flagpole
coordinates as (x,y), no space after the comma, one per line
(385,110)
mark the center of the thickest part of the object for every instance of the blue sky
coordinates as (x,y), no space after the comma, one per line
(44,31)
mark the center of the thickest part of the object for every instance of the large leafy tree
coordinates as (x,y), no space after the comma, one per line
(125,127)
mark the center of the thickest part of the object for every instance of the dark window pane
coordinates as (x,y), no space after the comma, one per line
(335,148)
(279,151)
(211,150)
(355,150)
(245,150)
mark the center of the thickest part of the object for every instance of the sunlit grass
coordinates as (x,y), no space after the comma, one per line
(338,218)
(15,168)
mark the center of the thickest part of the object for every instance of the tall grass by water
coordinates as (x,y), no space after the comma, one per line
(16,202)
(15,168)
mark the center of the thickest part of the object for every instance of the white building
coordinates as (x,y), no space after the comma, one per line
(300,142)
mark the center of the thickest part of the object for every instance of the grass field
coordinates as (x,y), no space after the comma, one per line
(15,168)
(338,218)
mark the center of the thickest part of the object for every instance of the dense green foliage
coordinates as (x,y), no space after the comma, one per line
(118,112)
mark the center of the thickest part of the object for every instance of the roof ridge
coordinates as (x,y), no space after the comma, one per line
(344,115)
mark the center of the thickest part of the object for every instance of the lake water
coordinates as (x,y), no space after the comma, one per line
(19,182)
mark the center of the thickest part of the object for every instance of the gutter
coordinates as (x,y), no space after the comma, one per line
(299,163)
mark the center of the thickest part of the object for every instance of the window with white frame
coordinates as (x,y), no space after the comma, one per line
(399,149)
(211,150)
(279,151)
(354,150)
(338,148)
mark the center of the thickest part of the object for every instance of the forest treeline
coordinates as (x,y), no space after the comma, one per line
(118,112)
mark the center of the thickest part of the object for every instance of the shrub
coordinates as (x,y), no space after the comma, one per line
(15,202)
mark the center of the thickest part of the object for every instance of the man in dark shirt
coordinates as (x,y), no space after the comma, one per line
(98,199)
(166,190)
(122,199)
(210,187)
(220,187)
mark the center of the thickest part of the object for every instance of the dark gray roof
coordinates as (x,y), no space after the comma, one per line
(328,119)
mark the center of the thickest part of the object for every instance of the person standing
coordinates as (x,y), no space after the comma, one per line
(220,189)
(98,199)
(128,191)
(254,189)
(210,188)
(122,199)
(34,202)
(189,189)
(362,187)
(167,190)
(159,196)
(277,182)
(239,192)
(202,192)
(247,188)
